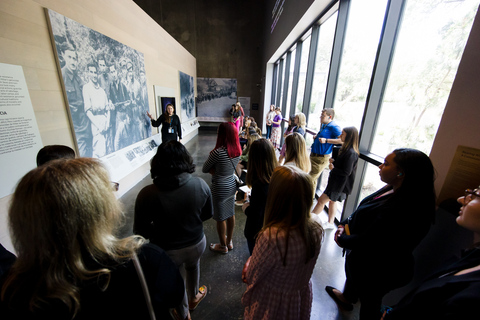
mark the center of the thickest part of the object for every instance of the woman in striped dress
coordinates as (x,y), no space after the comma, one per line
(221,164)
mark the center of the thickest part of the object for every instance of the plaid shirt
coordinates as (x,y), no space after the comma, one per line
(275,291)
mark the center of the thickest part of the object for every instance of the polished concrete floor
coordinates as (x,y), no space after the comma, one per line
(222,273)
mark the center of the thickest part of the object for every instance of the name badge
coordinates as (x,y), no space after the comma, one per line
(170,130)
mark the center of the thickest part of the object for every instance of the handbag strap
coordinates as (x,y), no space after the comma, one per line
(138,268)
(234,169)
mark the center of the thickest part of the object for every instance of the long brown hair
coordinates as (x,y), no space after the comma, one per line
(167,116)
(63,219)
(261,162)
(288,207)
(351,140)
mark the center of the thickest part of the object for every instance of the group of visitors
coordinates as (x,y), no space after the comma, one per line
(70,264)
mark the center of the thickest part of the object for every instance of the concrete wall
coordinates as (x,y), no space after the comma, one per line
(225,37)
(25,41)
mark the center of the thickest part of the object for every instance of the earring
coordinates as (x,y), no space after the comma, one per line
(399,174)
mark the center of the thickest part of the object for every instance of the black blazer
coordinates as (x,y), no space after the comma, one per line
(343,174)
(256,210)
(384,232)
(443,295)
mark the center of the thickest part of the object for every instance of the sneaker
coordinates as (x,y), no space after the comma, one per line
(239,203)
(328,226)
(316,218)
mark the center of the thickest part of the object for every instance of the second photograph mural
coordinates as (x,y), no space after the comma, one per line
(215,97)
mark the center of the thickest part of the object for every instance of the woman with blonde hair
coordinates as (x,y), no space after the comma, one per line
(296,152)
(286,251)
(262,162)
(300,123)
(342,175)
(63,220)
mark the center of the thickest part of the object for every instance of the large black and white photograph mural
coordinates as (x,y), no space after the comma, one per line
(105,85)
(215,97)
(187,97)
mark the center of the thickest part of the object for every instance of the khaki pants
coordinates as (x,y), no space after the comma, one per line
(318,165)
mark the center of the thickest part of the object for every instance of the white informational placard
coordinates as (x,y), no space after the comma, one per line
(126,160)
(189,126)
(19,136)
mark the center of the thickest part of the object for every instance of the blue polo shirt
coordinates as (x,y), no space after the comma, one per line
(328,131)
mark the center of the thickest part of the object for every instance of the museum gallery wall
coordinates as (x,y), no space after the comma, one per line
(26,42)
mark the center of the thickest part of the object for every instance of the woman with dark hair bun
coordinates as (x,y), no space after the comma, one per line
(171,212)
(380,236)
(54,152)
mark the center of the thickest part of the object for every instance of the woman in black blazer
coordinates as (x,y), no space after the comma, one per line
(453,291)
(342,175)
(381,234)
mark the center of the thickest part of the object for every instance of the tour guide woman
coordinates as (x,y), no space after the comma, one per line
(384,230)
(170,122)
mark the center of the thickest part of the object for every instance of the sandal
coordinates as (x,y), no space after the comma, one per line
(217,247)
(203,291)
(230,245)
(174,314)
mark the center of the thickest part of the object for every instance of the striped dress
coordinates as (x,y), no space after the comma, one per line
(223,183)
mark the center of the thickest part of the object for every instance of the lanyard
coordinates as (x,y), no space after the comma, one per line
(322,128)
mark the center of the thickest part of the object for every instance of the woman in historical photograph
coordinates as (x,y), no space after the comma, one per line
(170,122)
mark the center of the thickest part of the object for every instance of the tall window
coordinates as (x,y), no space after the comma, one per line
(364,26)
(399,59)
(303,75)
(322,64)
(290,81)
(281,79)
(429,47)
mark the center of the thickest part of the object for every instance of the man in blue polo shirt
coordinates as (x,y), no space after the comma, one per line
(323,144)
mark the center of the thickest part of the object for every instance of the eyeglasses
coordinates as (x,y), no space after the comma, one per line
(115,185)
(472,193)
